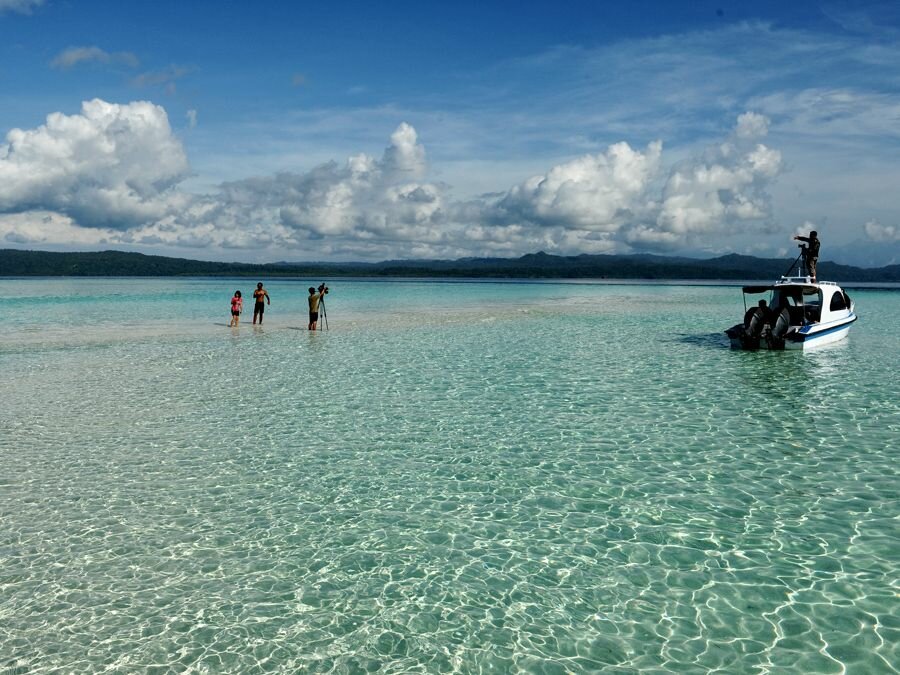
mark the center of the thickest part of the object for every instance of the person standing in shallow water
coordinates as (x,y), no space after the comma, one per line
(237,306)
(810,253)
(314,299)
(262,297)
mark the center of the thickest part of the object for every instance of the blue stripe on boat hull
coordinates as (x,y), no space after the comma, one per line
(809,337)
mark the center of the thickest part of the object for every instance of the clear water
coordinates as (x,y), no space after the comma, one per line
(465,478)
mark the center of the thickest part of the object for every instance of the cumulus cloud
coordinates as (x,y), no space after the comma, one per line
(805,229)
(368,207)
(366,198)
(594,193)
(881,233)
(40,228)
(74,56)
(404,156)
(20,6)
(115,170)
(112,165)
(724,188)
(752,125)
(618,200)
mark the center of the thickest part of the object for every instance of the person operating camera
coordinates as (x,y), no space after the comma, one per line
(810,252)
(315,297)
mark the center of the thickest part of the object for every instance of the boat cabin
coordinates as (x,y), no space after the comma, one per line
(809,302)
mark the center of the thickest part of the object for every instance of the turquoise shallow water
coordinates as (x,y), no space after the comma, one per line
(469,477)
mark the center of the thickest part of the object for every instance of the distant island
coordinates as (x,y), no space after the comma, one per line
(532,266)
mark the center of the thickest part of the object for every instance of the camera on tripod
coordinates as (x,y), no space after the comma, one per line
(323,288)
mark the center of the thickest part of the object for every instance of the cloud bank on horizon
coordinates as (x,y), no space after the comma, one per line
(113,174)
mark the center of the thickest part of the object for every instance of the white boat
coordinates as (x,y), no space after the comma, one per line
(801,314)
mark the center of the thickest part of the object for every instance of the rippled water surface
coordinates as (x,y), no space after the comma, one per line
(472,477)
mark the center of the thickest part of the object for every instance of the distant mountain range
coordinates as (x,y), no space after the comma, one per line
(532,266)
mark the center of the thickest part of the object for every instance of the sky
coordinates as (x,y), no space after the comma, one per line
(262,132)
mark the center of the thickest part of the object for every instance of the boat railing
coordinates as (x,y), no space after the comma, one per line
(804,280)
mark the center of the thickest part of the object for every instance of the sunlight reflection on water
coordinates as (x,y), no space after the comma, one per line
(454,477)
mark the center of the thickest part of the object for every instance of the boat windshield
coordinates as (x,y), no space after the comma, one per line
(804,303)
(812,296)
(787,297)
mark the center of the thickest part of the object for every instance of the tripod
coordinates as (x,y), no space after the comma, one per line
(799,267)
(324,324)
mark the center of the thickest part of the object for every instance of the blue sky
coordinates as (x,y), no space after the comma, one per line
(342,130)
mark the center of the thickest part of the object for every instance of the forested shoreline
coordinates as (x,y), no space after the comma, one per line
(541,265)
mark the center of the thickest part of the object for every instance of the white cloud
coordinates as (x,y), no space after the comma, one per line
(752,125)
(804,229)
(112,165)
(73,56)
(20,6)
(643,235)
(594,193)
(44,228)
(725,187)
(192,118)
(116,170)
(405,156)
(881,233)
(612,201)
(366,198)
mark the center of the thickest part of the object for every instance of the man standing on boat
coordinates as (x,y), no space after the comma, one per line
(810,253)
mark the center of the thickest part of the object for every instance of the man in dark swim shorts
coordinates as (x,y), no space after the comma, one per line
(261,297)
(314,299)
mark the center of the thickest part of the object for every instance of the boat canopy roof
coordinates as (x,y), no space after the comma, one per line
(807,287)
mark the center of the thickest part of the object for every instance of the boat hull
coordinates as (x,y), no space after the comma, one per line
(807,337)
(819,335)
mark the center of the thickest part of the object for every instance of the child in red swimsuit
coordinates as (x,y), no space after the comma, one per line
(237,306)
